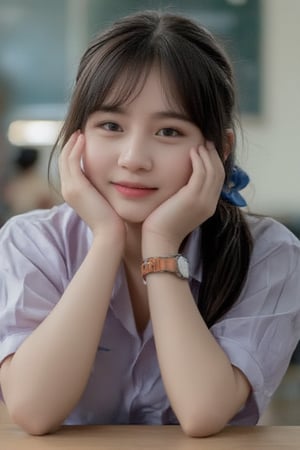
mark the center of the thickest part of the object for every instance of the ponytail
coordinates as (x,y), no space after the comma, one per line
(226,248)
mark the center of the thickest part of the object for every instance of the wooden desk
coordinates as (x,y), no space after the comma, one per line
(150,438)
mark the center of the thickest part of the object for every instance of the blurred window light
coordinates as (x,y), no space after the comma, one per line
(40,133)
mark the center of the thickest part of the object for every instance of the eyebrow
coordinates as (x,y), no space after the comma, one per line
(172,115)
(168,114)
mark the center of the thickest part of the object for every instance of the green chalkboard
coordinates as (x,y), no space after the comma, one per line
(32,50)
(37,37)
(235,22)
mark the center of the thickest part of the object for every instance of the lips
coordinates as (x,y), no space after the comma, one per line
(130,185)
(134,190)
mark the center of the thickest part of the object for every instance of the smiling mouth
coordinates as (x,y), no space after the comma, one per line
(133,190)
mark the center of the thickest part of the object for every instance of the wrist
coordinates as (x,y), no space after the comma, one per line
(156,244)
(175,264)
(150,249)
(108,240)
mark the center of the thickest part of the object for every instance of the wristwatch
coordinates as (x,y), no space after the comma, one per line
(176,264)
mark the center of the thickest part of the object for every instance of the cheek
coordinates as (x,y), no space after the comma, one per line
(180,172)
(187,170)
(93,158)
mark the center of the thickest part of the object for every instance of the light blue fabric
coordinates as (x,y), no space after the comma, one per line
(40,252)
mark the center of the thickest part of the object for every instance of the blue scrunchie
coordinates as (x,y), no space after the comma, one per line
(238,180)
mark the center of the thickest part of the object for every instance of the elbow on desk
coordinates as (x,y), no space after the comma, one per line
(208,416)
(33,424)
(197,424)
(197,430)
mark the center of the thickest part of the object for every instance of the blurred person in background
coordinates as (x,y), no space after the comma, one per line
(26,188)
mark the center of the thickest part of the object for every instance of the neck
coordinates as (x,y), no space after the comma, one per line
(133,250)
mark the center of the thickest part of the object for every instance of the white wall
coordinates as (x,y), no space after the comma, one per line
(271,152)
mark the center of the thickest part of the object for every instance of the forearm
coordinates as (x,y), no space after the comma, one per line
(203,387)
(49,372)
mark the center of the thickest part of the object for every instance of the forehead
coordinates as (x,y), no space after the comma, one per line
(152,85)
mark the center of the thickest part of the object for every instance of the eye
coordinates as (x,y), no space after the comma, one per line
(169,132)
(110,126)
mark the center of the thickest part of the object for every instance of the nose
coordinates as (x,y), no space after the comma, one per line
(135,154)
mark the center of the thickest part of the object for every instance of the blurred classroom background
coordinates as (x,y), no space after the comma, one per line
(40,46)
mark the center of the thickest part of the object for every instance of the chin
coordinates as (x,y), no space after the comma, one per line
(133,220)
(133,217)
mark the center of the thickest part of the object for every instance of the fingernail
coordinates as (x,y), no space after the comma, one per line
(210,145)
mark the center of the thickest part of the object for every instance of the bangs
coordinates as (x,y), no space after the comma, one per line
(124,86)
(115,68)
(121,87)
(116,74)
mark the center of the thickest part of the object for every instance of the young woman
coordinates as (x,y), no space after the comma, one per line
(147,297)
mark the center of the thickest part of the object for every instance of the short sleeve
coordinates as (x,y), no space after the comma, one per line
(33,275)
(261,331)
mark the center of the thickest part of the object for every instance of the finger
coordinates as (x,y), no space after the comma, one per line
(207,178)
(198,170)
(66,150)
(75,154)
(77,177)
(214,169)
(71,155)
(71,176)
(70,143)
(217,163)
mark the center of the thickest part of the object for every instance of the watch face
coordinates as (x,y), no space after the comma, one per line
(183,266)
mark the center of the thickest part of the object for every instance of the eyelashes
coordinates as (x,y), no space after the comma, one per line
(169,132)
(110,126)
(165,132)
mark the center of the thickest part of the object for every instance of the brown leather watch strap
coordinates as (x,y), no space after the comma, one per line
(160,264)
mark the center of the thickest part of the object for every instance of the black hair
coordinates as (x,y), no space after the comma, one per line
(197,73)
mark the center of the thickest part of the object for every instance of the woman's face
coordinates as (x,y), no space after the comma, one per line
(138,155)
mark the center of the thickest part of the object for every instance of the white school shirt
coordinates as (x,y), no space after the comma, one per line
(40,251)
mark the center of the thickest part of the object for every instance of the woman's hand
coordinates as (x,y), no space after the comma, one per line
(81,195)
(166,227)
